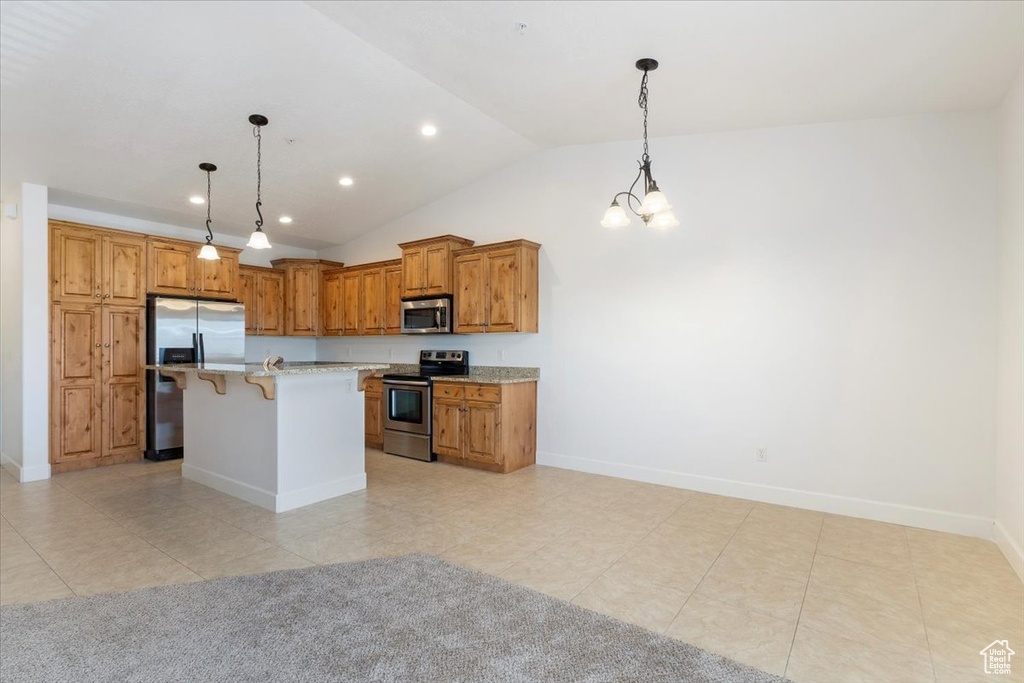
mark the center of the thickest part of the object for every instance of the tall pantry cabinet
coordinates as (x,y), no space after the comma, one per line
(98,346)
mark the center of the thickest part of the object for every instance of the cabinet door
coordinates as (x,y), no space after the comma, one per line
(76,380)
(483,432)
(333,298)
(171,268)
(374,416)
(372,305)
(271,302)
(438,280)
(218,279)
(76,265)
(124,271)
(503,291)
(448,437)
(301,292)
(350,297)
(414,271)
(248,294)
(393,300)
(470,293)
(124,389)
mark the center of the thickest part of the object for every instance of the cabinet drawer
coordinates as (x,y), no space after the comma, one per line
(449,391)
(490,393)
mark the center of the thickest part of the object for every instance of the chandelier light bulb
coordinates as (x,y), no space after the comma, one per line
(615,217)
(209,253)
(654,202)
(663,219)
(258,240)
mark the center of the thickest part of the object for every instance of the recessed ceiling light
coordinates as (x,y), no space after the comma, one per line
(429,130)
(196,199)
(345,182)
(285,219)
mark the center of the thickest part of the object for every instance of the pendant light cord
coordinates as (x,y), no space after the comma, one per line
(259,176)
(209,199)
(642,102)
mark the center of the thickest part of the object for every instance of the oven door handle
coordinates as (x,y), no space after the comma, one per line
(404,383)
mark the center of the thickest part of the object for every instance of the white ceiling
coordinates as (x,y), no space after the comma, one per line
(113,104)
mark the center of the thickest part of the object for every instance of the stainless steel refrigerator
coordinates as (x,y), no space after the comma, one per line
(184,331)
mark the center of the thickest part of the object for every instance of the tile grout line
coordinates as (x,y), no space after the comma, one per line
(800,614)
(43,559)
(920,604)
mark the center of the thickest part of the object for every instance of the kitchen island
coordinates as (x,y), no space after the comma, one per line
(280,438)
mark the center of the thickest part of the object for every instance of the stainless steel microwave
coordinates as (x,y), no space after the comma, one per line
(428,316)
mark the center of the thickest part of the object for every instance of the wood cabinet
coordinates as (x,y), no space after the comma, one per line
(488,426)
(363,300)
(374,413)
(303,279)
(174,268)
(98,386)
(261,290)
(427,265)
(90,265)
(496,287)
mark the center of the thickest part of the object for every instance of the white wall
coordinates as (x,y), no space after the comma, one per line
(830,295)
(256,348)
(25,322)
(1010,402)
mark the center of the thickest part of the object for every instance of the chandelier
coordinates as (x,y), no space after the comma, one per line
(654,209)
(258,238)
(208,252)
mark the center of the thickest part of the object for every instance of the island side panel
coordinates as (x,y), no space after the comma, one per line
(231,440)
(320,438)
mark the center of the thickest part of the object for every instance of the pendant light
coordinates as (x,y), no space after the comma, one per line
(654,209)
(208,252)
(258,238)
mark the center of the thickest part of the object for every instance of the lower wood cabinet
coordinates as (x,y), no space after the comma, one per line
(374,413)
(487,426)
(98,386)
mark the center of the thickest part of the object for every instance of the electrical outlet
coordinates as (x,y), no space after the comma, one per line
(391,354)
(762,455)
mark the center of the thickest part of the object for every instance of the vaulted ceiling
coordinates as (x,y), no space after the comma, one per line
(114,104)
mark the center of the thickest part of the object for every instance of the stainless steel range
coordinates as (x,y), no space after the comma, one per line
(408,400)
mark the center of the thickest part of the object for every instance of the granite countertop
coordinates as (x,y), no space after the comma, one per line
(256,369)
(478,374)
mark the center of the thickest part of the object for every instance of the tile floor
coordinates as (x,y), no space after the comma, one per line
(816,597)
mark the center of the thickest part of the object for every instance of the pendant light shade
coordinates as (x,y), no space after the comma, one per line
(654,209)
(258,238)
(663,219)
(615,217)
(208,252)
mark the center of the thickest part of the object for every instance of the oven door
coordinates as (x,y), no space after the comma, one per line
(407,406)
(427,316)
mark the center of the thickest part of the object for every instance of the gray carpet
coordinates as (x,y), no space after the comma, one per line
(412,618)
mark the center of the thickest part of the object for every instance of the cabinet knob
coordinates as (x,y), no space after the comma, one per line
(97,346)
(106,296)
(97,295)
(107,344)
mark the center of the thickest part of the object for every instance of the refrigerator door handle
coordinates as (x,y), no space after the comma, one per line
(195,347)
(202,349)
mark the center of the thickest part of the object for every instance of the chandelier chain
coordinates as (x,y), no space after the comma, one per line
(259,175)
(642,102)
(209,199)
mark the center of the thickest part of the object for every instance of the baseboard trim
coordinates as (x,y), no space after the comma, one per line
(1013,552)
(315,494)
(924,518)
(251,494)
(282,502)
(25,474)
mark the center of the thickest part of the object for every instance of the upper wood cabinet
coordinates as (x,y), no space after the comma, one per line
(90,265)
(302,296)
(362,300)
(175,268)
(496,287)
(427,265)
(261,290)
